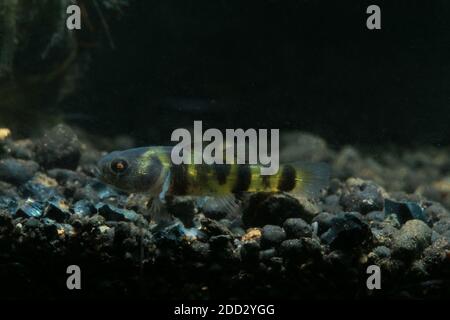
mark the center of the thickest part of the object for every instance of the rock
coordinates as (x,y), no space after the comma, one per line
(67,177)
(436,212)
(292,248)
(442,226)
(57,209)
(38,191)
(297,228)
(362,196)
(17,171)
(220,242)
(102,191)
(323,221)
(404,210)
(113,213)
(266,208)
(411,239)
(213,228)
(214,214)
(8,204)
(435,257)
(58,148)
(201,250)
(267,254)
(382,252)
(21,149)
(384,233)
(8,190)
(272,236)
(375,216)
(183,209)
(84,208)
(332,204)
(347,231)
(30,209)
(301,249)
(250,251)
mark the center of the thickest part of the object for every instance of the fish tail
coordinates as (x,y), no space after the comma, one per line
(310,178)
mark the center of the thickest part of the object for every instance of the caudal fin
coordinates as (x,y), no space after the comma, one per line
(311,177)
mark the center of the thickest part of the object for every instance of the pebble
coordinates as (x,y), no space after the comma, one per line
(263,208)
(405,210)
(347,231)
(16,171)
(84,208)
(410,241)
(272,235)
(362,196)
(324,221)
(250,251)
(113,213)
(30,209)
(58,148)
(297,228)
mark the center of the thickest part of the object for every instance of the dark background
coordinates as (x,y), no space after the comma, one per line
(293,64)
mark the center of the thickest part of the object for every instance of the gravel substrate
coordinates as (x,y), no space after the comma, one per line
(390,210)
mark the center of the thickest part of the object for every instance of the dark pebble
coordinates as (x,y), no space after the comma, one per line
(436,212)
(362,196)
(292,248)
(250,251)
(297,228)
(38,191)
(272,236)
(8,190)
(57,210)
(264,208)
(410,241)
(113,213)
(267,254)
(404,211)
(347,231)
(58,148)
(66,176)
(8,204)
(213,228)
(382,252)
(220,242)
(16,171)
(375,216)
(183,209)
(323,221)
(30,209)
(84,208)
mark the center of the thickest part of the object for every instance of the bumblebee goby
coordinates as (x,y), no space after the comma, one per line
(149,170)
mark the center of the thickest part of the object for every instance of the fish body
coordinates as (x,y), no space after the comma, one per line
(150,170)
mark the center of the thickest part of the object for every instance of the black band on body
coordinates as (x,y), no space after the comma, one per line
(287,180)
(180,181)
(243,179)
(222,171)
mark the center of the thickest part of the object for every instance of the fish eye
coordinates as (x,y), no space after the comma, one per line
(119,166)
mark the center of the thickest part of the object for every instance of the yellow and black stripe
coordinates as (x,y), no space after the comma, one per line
(190,179)
(222,179)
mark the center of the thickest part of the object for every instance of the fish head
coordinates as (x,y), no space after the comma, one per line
(135,170)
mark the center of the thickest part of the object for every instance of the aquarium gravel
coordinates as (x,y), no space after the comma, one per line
(389,210)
